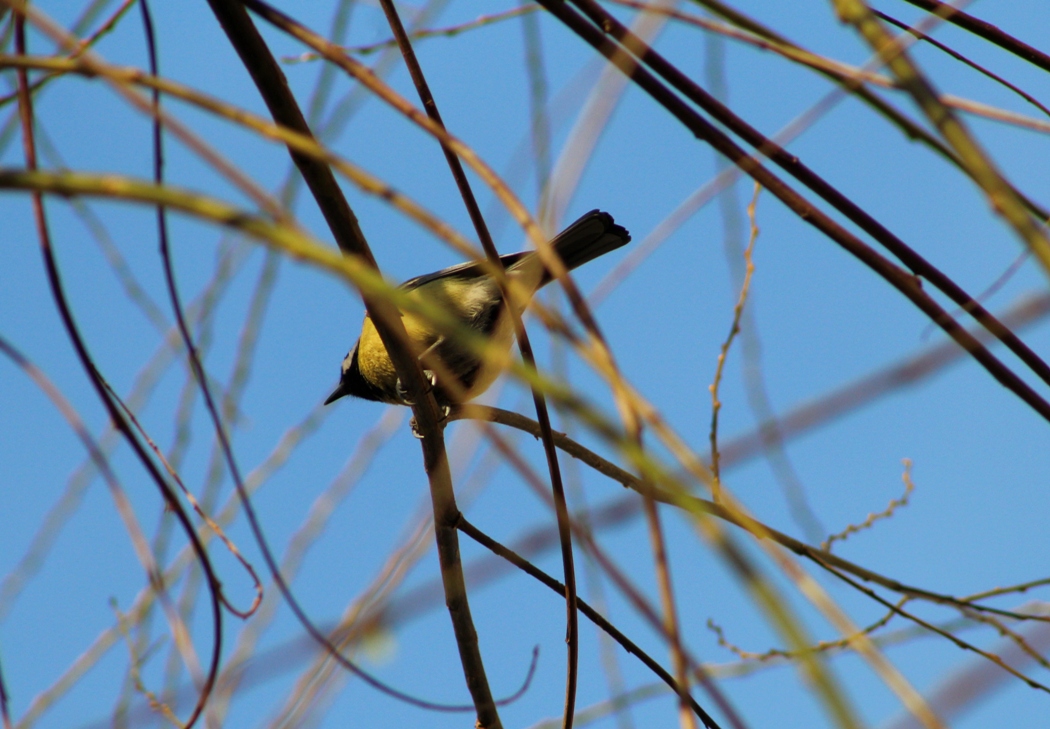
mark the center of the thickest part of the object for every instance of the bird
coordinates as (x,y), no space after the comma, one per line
(474,297)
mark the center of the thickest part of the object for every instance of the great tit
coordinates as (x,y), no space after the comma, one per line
(475,298)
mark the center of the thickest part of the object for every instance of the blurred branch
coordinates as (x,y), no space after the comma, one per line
(695,504)
(530,569)
(977,163)
(852,77)
(57,288)
(5,711)
(138,539)
(144,383)
(834,565)
(908,284)
(794,166)
(852,84)
(208,153)
(636,596)
(82,46)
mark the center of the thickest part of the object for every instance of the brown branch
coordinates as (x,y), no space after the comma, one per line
(636,597)
(26,118)
(911,129)
(5,711)
(986,30)
(590,613)
(963,59)
(797,169)
(964,645)
(273,86)
(978,164)
(480,22)
(694,504)
(909,285)
(487,715)
(670,617)
(886,513)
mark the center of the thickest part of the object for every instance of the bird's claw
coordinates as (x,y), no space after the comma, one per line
(431,378)
(402,393)
(445,410)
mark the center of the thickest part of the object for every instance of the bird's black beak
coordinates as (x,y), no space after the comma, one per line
(337,393)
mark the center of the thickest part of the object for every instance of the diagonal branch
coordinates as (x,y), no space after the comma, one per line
(909,285)
(273,86)
(808,177)
(986,30)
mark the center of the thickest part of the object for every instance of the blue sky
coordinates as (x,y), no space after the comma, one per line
(819,320)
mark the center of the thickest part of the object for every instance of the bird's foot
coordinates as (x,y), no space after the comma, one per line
(445,409)
(402,393)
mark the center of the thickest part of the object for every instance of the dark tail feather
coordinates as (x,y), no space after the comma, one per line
(593,235)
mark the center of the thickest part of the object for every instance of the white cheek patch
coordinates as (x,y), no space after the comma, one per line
(348,359)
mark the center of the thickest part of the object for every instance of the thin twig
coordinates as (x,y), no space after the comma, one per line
(963,59)
(219,532)
(977,163)
(1032,683)
(790,163)
(466,636)
(271,83)
(694,504)
(590,613)
(135,671)
(824,646)
(622,582)
(479,22)
(140,544)
(58,293)
(874,517)
(734,329)
(985,30)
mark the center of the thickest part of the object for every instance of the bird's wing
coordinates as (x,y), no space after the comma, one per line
(470,269)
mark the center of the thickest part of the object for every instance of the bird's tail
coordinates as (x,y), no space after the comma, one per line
(593,235)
